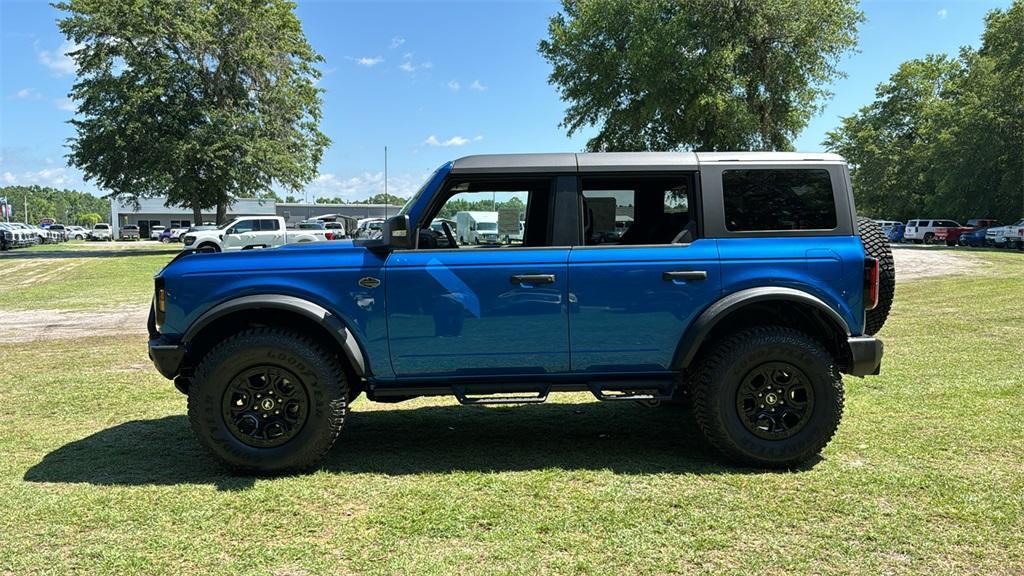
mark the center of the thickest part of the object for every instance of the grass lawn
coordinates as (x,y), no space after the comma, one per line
(80,275)
(100,474)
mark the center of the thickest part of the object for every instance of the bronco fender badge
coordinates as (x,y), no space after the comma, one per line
(369,282)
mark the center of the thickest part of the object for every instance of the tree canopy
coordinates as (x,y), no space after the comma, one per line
(64,206)
(945,135)
(702,75)
(203,101)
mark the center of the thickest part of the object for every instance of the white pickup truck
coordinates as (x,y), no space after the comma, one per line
(248,232)
(1011,236)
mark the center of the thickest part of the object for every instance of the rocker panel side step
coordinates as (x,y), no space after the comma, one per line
(610,391)
(466,395)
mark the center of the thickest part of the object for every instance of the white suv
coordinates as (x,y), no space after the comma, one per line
(924,230)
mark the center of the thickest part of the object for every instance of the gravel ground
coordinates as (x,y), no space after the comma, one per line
(35,325)
(914,263)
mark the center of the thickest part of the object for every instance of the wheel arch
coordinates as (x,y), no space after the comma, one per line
(275,310)
(770,305)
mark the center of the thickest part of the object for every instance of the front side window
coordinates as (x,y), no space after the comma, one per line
(243,227)
(778,200)
(638,210)
(491,214)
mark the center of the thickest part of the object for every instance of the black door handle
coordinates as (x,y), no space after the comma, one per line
(686,275)
(532,279)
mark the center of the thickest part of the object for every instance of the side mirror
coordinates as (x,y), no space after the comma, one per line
(396,232)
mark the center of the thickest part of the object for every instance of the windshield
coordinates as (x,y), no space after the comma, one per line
(412,201)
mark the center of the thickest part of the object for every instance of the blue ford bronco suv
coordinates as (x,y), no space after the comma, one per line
(740,284)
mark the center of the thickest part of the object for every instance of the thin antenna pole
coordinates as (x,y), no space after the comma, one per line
(386,202)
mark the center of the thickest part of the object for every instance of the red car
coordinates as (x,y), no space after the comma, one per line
(951,236)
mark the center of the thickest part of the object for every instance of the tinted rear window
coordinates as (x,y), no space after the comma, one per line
(757,200)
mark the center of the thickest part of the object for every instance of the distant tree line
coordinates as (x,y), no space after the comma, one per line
(64,206)
(944,137)
(456,205)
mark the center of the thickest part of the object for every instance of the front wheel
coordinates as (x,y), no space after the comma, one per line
(768,396)
(268,401)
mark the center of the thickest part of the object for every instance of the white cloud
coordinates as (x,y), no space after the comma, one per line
(410,66)
(55,177)
(453,141)
(65,104)
(27,94)
(369,62)
(397,41)
(943,13)
(478,138)
(330,185)
(454,85)
(59,61)
(476,85)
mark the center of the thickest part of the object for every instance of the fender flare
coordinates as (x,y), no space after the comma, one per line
(712,315)
(334,325)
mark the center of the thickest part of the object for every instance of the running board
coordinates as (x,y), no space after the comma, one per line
(631,391)
(468,398)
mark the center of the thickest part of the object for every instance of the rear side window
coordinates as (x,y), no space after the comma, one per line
(638,210)
(770,200)
(268,225)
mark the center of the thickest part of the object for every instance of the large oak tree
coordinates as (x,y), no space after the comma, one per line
(699,74)
(203,101)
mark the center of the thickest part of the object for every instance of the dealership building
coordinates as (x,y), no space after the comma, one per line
(154,212)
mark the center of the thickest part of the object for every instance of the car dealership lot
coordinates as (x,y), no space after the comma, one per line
(101,475)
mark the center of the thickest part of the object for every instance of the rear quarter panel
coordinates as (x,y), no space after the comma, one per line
(828,267)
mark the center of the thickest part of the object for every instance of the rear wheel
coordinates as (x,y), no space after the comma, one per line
(876,245)
(768,396)
(268,401)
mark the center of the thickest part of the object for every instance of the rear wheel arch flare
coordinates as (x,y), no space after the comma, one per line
(764,306)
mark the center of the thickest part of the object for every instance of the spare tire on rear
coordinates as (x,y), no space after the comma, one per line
(876,245)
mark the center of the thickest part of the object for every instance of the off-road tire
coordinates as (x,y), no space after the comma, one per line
(320,373)
(717,380)
(876,244)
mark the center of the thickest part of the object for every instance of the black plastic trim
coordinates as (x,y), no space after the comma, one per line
(713,314)
(334,325)
(865,355)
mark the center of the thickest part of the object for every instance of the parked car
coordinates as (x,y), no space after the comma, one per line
(61,230)
(248,232)
(17,237)
(1011,236)
(130,232)
(77,233)
(101,231)
(892,229)
(746,283)
(951,236)
(173,234)
(974,238)
(924,231)
(39,235)
(368,228)
(156,231)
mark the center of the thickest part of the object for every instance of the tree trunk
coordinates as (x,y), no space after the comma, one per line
(197,213)
(222,210)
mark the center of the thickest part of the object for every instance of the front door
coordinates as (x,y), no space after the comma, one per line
(481,310)
(242,234)
(642,275)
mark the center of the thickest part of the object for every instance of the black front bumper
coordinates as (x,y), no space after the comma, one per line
(865,355)
(166,357)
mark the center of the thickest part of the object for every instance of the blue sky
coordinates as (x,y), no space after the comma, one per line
(433,81)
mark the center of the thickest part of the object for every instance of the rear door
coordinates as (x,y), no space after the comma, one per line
(634,289)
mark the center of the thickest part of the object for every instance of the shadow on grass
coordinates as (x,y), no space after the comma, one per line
(622,438)
(85,253)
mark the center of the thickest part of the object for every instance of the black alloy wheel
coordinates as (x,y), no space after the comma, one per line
(774,400)
(265,406)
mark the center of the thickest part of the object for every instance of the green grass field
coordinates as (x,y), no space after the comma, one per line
(100,474)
